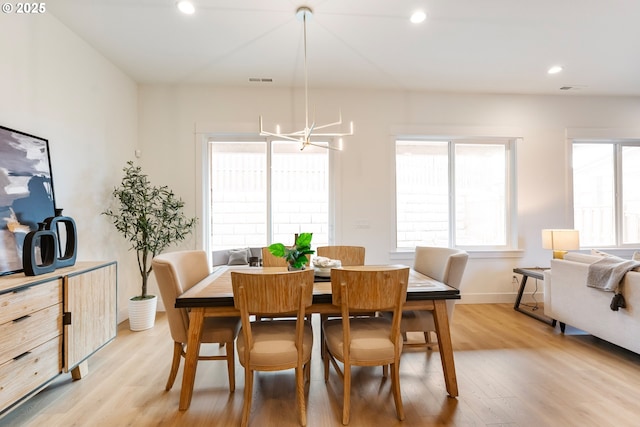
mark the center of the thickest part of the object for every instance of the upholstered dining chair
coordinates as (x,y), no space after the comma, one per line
(176,272)
(277,344)
(445,265)
(366,341)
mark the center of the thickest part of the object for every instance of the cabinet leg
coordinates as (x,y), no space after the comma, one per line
(80,371)
(562,327)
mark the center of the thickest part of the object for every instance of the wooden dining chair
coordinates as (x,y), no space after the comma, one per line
(274,345)
(366,341)
(270,260)
(348,255)
(176,272)
(445,265)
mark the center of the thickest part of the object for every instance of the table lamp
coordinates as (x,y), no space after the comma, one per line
(560,241)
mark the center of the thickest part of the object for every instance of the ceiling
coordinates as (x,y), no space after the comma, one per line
(486,46)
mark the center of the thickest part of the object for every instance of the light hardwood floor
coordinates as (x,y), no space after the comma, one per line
(512,371)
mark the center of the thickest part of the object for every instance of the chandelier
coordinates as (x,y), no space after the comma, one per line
(310,131)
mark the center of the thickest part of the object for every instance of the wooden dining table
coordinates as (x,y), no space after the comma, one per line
(213,297)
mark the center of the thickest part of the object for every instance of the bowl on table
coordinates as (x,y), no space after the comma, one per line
(322,266)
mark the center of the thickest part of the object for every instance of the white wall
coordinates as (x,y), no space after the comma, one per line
(169,116)
(55,86)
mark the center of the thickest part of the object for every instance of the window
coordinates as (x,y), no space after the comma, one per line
(265,191)
(454,193)
(606,201)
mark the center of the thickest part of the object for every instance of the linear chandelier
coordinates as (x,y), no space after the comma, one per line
(304,136)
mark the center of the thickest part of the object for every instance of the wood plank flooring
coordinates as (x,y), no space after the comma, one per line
(512,371)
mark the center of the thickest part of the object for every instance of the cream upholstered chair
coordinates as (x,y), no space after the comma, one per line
(366,341)
(445,265)
(270,260)
(274,345)
(176,272)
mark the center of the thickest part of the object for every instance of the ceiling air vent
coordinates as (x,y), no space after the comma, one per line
(574,87)
(260,80)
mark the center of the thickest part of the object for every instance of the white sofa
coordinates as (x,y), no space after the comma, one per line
(568,300)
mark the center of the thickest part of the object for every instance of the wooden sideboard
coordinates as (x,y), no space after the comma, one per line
(51,324)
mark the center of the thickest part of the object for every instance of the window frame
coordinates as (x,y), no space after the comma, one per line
(204,181)
(511,220)
(617,145)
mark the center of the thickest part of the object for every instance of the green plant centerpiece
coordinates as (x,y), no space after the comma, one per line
(296,256)
(149,217)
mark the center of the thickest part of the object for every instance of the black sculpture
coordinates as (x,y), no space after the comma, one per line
(47,239)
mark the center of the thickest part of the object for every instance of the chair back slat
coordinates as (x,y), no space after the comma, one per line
(369,287)
(273,293)
(270,260)
(348,255)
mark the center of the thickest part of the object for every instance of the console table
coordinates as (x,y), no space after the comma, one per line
(52,323)
(536,273)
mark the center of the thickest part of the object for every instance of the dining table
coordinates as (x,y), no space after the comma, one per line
(213,297)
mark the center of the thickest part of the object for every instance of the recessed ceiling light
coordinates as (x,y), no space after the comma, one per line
(186,7)
(555,69)
(418,16)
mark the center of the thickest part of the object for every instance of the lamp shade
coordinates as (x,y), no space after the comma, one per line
(560,241)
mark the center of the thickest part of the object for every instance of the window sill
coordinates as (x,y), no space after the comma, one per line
(399,255)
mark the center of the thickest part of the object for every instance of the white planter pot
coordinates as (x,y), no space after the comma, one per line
(142,313)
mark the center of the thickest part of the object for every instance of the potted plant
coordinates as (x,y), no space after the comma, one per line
(150,218)
(296,255)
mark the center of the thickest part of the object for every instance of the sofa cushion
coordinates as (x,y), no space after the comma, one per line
(600,253)
(239,256)
(584,258)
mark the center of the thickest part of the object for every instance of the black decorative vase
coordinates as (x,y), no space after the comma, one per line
(68,236)
(47,242)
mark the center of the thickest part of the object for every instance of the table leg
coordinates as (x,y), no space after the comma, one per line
(523,284)
(445,347)
(196,320)
(516,305)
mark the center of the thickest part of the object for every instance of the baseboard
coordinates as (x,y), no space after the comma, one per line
(499,298)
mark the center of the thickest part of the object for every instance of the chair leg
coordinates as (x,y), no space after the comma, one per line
(395,387)
(325,362)
(231,366)
(427,339)
(323,344)
(248,393)
(175,364)
(346,391)
(300,395)
(307,372)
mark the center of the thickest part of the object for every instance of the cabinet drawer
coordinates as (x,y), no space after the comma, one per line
(16,304)
(25,374)
(30,331)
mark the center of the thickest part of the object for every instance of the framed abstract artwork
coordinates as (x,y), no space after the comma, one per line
(26,193)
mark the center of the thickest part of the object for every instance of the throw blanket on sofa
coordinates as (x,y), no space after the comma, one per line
(607,273)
